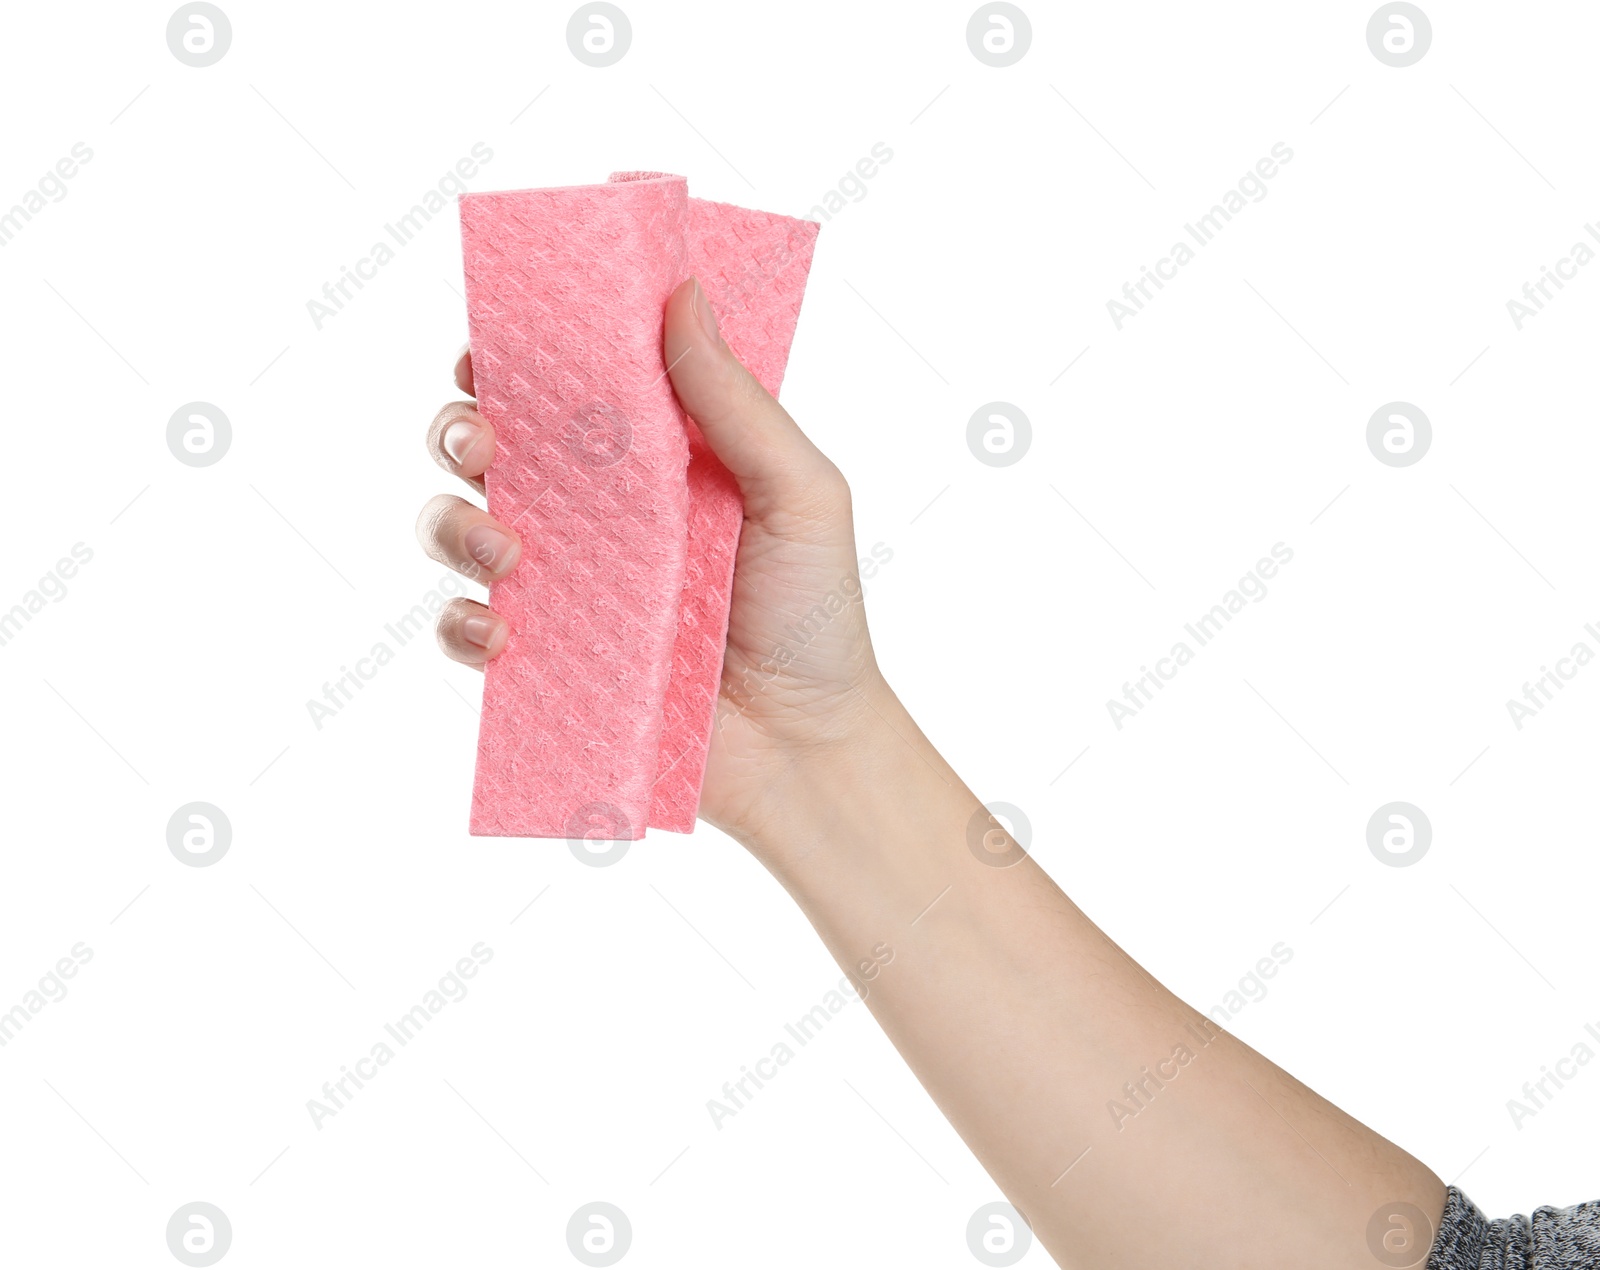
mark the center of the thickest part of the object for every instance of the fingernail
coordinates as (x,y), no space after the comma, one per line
(480,629)
(702,308)
(458,439)
(494,551)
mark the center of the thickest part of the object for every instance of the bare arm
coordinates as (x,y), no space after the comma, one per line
(1127,1128)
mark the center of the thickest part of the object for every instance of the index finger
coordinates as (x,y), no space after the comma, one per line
(464,370)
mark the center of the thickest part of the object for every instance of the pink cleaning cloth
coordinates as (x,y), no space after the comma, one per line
(598,715)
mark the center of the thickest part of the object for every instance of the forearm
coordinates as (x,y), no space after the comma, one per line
(1027,1025)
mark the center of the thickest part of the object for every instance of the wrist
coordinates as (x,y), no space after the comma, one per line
(874,805)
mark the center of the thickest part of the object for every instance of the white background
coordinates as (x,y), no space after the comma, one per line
(1228,416)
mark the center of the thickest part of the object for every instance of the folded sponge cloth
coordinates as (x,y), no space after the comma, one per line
(597,716)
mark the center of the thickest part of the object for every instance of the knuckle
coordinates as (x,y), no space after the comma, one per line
(447,630)
(434,519)
(826,493)
(835,483)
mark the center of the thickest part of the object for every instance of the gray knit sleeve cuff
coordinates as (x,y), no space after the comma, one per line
(1552,1239)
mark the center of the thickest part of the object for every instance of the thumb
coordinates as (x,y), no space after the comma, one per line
(774,462)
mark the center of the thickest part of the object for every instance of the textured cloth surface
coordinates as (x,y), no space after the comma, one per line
(752,267)
(1552,1239)
(597,716)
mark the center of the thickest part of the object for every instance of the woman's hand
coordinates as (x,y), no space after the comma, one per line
(799,680)
(1039,1038)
